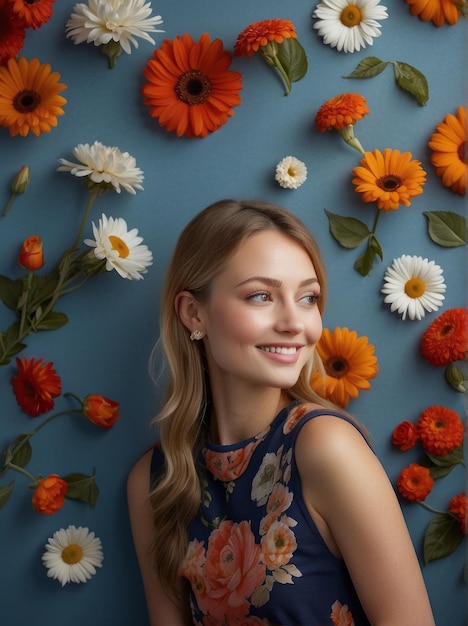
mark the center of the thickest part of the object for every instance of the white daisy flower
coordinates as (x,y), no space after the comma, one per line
(120,21)
(120,247)
(72,555)
(105,166)
(347,26)
(290,173)
(413,286)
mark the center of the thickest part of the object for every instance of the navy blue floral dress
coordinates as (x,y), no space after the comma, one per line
(255,557)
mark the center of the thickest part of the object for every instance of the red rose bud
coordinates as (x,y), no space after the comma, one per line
(405,436)
(101,411)
(31,256)
(49,495)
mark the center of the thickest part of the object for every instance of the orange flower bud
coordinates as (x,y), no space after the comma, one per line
(49,495)
(404,436)
(101,411)
(31,256)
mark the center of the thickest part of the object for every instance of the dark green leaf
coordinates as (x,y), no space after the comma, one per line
(411,80)
(19,451)
(365,262)
(293,58)
(348,231)
(10,292)
(447,460)
(446,228)
(82,487)
(368,67)
(9,344)
(375,245)
(5,493)
(52,321)
(442,536)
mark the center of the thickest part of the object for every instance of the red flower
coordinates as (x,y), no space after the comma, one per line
(342,110)
(415,482)
(49,495)
(101,411)
(405,436)
(12,33)
(445,339)
(458,506)
(259,34)
(31,256)
(35,385)
(32,13)
(440,429)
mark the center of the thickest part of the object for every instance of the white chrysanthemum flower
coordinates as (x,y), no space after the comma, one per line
(102,21)
(105,166)
(72,555)
(413,286)
(347,26)
(290,173)
(120,247)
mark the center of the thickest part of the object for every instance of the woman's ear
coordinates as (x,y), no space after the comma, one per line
(187,308)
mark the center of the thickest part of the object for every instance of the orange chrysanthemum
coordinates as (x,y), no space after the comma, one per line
(458,506)
(35,385)
(29,97)
(349,363)
(259,34)
(445,340)
(440,430)
(190,88)
(12,33)
(342,110)
(415,482)
(33,13)
(390,178)
(437,11)
(448,145)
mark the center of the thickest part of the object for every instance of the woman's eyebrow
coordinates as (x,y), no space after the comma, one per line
(273,282)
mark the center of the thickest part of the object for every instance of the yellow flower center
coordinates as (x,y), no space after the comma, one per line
(119,245)
(415,287)
(351,16)
(291,172)
(72,554)
(193,87)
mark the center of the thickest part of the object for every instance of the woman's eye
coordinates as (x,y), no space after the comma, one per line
(261,296)
(311,298)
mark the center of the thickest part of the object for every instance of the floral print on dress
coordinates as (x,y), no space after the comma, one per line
(341,615)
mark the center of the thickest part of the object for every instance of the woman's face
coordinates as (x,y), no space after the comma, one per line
(262,321)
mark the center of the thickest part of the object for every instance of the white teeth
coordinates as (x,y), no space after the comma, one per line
(278,350)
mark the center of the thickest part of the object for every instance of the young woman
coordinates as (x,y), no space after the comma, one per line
(261,504)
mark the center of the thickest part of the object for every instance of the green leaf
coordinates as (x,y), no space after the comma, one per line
(376,247)
(446,228)
(5,493)
(442,536)
(82,487)
(9,343)
(411,80)
(348,231)
(368,67)
(10,292)
(52,321)
(293,58)
(365,262)
(19,451)
(447,460)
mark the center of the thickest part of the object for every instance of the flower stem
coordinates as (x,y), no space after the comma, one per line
(21,470)
(24,308)
(9,204)
(283,73)
(430,508)
(92,197)
(376,221)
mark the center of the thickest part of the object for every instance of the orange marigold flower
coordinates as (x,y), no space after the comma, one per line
(445,339)
(437,11)
(390,178)
(458,506)
(49,495)
(405,436)
(340,111)
(12,33)
(35,385)
(440,430)
(448,145)
(31,256)
(33,13)
(259,34)
(101,411)
(349,363)
(29,97)
(415,482)
(190,88)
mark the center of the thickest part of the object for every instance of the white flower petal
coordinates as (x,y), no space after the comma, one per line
(290,173)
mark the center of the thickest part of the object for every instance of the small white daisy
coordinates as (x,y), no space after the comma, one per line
(413,286)
(72,555)
(347,26)
(120,21)
(120,247)
(290,173)
(105,166)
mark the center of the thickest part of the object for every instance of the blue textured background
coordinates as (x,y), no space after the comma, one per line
(114,322)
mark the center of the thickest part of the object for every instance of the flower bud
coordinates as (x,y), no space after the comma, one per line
(49,495)
(20,182)
(101,411)
(404,436)
(31,256)
(455,377)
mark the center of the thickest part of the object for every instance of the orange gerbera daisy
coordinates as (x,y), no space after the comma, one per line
(390,178)
(440,430)
(35,385)
(349,363)
(33,13)
(12,33)
(437,11)
(415,482)
(445,339)
(29,97)
(458,506)
(340,111)
(190,88)
(448,145)
(259,34)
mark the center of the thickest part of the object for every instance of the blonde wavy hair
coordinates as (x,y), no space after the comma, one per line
(201,253)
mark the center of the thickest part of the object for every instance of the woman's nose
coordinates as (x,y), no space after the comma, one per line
(289,319)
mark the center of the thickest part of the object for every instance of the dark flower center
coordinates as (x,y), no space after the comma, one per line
(462,152)
(336,367)
(390,182)
(26,101)
(446,330)
(193,87)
